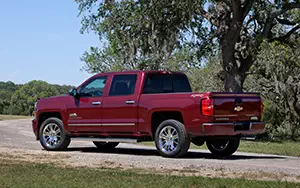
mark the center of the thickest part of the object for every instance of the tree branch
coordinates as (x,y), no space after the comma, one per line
(286,7)
(251,19)
(285,21)
(207,16)
(286,36)
(246,8)
(269,23)
(292,31)
(236,7)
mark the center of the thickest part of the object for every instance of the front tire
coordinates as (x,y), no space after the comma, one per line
(53,136)
(223,147)
(106,145)
(171,139)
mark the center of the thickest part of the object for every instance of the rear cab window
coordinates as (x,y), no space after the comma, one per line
(166,83)
(123,85)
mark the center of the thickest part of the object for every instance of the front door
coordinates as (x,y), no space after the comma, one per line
(120,110)
(85,113)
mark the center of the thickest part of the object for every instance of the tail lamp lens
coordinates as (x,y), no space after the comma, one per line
(207,107)
(261,107)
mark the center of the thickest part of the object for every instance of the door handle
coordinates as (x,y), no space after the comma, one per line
(96,103)
(130,102)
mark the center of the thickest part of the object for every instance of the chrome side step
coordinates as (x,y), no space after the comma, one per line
(123,140)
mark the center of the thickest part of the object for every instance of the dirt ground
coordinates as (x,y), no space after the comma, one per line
(18,144)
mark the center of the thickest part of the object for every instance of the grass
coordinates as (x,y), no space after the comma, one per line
(23,175)
(10,117)
(288,148)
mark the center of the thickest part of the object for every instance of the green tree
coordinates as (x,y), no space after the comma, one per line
(20,99)
(145,34)
(206,78)
(6,91)
(277,73)
(62,89)
(139,35)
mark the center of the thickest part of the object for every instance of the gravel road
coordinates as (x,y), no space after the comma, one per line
(18,142)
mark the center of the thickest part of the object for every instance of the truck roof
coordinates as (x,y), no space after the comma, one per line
(144,71)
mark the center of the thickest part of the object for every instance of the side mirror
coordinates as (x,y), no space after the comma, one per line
(73,92)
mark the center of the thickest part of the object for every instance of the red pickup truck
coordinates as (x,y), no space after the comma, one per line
(138,106)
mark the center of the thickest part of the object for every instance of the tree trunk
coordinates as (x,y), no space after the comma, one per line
(233,81)
(234,78)
(229,27)
(234,70)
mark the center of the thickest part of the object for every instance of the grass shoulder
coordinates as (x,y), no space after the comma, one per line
(25,175)
(12,117)
(289,148)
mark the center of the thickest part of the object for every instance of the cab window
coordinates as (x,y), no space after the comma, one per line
(169,83)
(94,88)
(123,85)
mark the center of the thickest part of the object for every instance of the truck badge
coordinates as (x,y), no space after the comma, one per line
(73,115)
(238,108)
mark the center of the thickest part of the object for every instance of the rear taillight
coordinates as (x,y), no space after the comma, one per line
(207,107)
(261,107)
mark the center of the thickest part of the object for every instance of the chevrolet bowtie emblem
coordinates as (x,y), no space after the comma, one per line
(73,115)
(238,108)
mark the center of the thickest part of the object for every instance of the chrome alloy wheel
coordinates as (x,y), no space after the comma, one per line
(219,145)
(168,139)
(51,135)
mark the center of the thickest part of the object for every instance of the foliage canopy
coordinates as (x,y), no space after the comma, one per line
(20,99)
(146,34)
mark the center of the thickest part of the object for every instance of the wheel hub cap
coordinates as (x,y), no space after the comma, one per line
(51,135)
(168,139)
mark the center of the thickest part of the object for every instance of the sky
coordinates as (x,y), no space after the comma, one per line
(40,40)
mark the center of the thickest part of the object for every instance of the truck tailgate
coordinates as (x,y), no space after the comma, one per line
(237,107)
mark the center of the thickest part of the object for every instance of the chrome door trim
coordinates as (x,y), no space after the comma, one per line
(103,124)
(118,124)
(85,124)
(124,140)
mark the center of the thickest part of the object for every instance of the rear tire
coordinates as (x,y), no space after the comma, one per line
(223,147)
(53,136)
(106,145)
(171,139)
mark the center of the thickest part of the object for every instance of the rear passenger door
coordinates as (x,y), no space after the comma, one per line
(120,110)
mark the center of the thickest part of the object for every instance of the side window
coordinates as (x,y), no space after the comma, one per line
(167,84)
(93,88)
(123,85)
(181,84)
(153,84)
(159,83)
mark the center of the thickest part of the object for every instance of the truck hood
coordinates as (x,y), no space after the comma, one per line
(54,103)
(53,98)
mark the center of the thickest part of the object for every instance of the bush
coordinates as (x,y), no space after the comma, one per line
(206,79)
